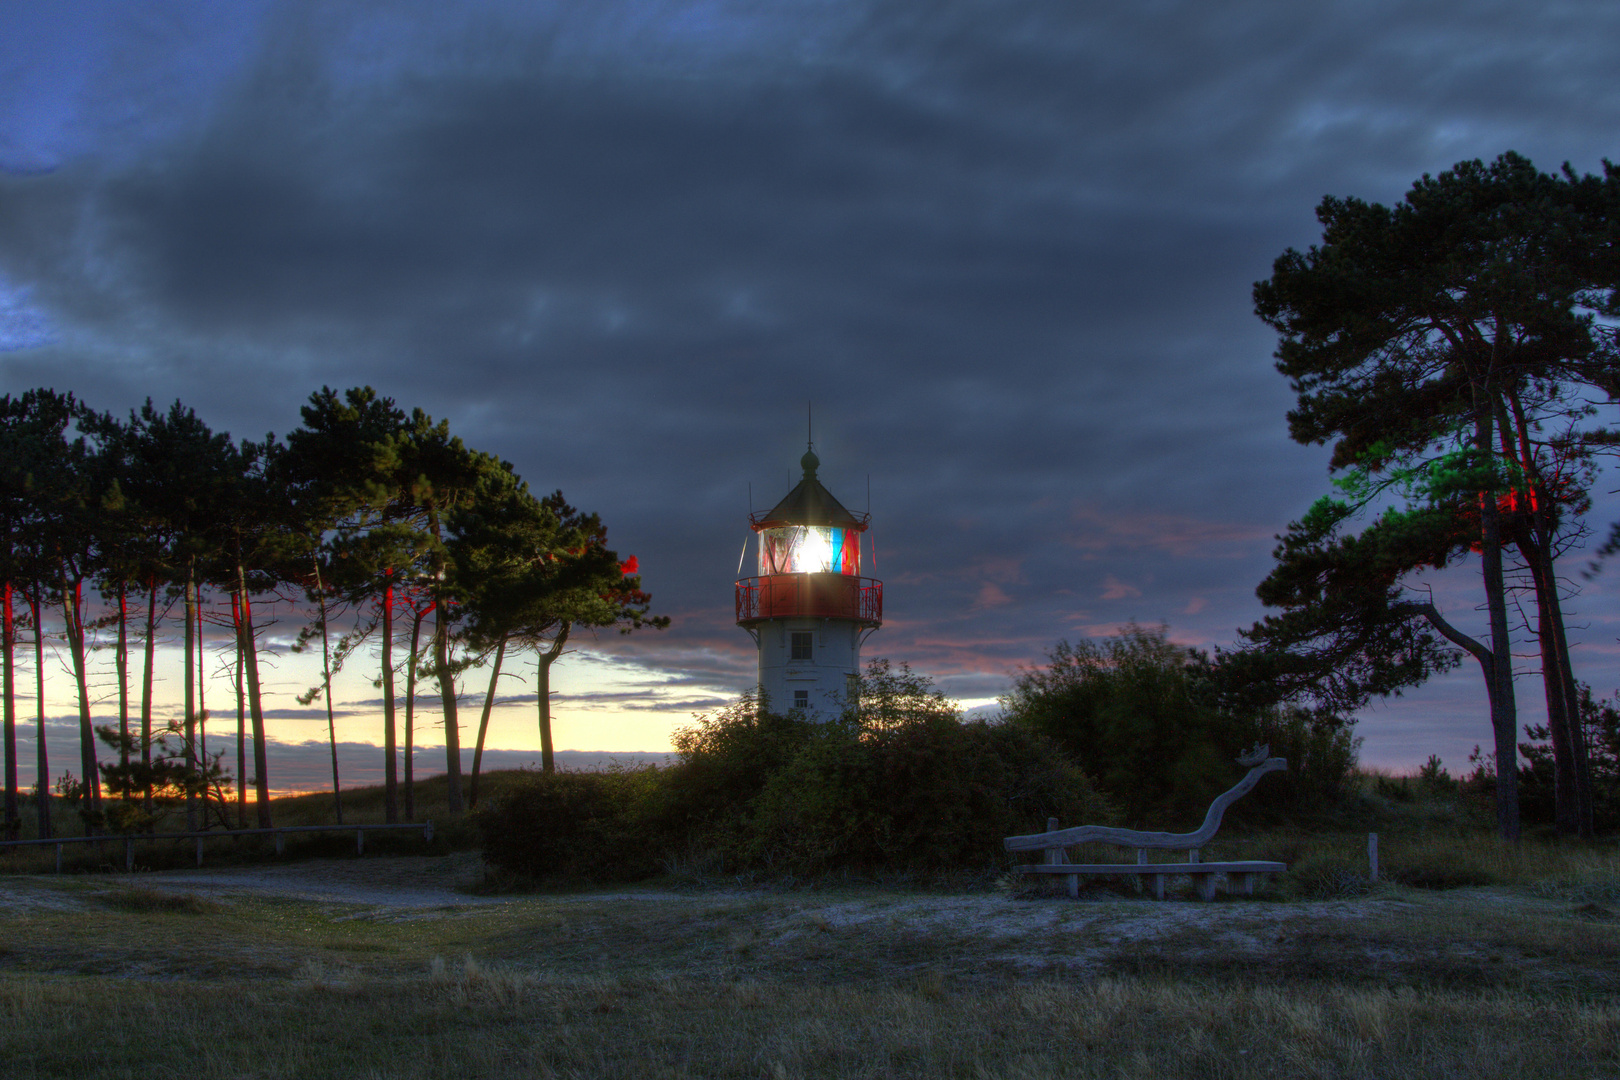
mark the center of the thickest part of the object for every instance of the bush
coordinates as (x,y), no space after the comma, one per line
(927,796)
(726,761)
(899,784)
(575,826)
(1325,876)
(1145,718)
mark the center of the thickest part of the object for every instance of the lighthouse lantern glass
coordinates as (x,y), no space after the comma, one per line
(809,549)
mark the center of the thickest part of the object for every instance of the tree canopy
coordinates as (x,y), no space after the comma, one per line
(1453,350)
(362,503)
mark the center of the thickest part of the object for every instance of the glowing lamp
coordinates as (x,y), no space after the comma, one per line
(809,609)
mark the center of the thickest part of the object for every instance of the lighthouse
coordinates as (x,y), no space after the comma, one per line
(809,609)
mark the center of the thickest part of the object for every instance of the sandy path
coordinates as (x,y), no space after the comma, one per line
(393,881)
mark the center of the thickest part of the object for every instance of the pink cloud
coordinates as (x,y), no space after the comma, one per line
(991,595)
(1185,537)
(1115,589)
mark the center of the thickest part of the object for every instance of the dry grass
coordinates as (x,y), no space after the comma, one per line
(1515,975)
(469,1019)
(102,977)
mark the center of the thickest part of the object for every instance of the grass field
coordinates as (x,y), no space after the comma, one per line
(381,967)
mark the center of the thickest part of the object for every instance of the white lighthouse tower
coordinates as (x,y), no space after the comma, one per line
(809,609)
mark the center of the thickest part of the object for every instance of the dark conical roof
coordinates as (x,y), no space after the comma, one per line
(809,504)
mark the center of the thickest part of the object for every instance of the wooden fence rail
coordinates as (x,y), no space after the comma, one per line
(425,828)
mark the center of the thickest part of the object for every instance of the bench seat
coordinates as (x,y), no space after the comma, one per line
(1242,874)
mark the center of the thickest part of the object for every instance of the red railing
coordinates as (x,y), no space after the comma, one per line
(817,596)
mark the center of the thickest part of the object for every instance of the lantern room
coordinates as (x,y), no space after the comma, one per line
(809,609)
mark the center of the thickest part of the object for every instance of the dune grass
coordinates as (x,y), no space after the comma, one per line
(103,978)
(1492,961)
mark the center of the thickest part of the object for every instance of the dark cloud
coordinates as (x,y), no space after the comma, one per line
(1006,249)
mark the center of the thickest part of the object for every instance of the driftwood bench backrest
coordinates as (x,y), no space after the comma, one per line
(1085,834)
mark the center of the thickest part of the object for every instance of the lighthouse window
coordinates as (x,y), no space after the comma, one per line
(810,549)
(801,699)
(803,645)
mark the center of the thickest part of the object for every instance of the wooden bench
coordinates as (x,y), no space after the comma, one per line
(1240,874)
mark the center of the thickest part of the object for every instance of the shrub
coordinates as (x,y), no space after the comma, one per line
(925,796)
(1325,876)
(726,760)
(1145,718)
(575,826)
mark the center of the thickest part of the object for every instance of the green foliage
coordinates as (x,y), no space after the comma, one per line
(924,794)
(726,760)
(1600,724)
(573,826)
(142,794)
(898,784)
(1146,718)
(1325,876)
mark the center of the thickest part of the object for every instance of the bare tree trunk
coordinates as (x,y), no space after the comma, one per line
(202,700)
(146,684)
(1504,708)
(255,705)
(241,716)
(8,636)
(447,698)
(1585,827)
(410,712)
(326,685)
(189,611)
(121,662)
(483,725)
(548,758)
(73,616)
(1560,718)
(1572,768)
(42,760)
(390,751)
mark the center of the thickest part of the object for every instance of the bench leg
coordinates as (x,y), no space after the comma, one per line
(1074,885)
(1246,883)
(1158,886)
(1206,886)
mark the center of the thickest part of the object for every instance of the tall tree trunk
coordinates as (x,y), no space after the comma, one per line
(1535,539)
(146,685)
(1584,795)
(1504,708)
(241,716)
(255,702)
(326,686)
(548,757)
(1566,785)
(202,699)
(447,698)
(121,662)
(410,711)
(8,641)
(73,616)
(190,733)
(483,725)
(42,758)
(390,751)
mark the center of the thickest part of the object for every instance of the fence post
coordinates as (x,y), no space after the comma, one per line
(59,858)
(280,843)
(129,855)
(1372,856)
(199,850)
(359,841)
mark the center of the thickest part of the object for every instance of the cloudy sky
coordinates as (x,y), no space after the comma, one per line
(1006,249)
